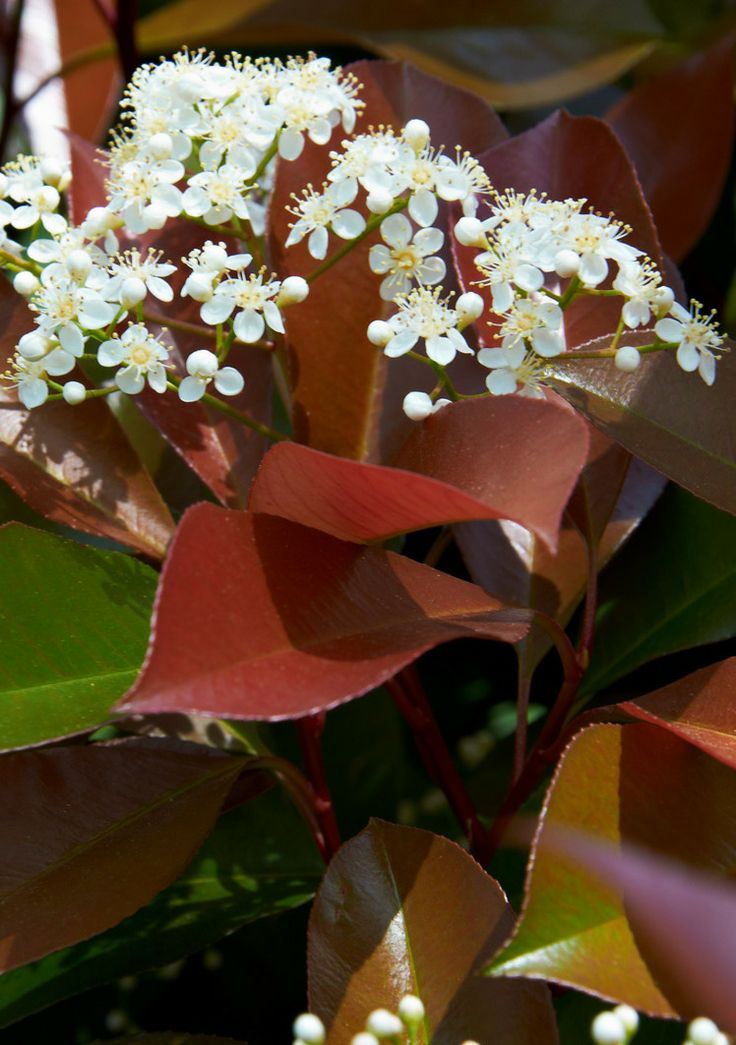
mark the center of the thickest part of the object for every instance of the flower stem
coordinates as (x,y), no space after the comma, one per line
(371,225)
(310,729)
(408,694)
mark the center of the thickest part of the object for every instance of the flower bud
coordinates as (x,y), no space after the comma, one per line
(293,290)
(309,1028)
(702,1031)
(55,172)
(608,1029)
(567,263)
(132,292)
(74,392)
(364,1038)
(202,363)
(469,232)
(155,216)
(198,286)
(384,1024)
(379,201)
(379,333)
(417,406)
(411,1010)
(627,358)
(214,257)
(416,134)
(664,299)
(468,307)
(33,345)
(99,220)
(47,198)
(161,146)
(79,265)
(25,283)
(629,1017)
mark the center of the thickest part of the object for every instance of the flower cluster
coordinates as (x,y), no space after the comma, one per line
(381,1025)
(618,1026)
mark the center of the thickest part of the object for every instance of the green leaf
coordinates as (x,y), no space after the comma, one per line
(259,860)
(73,630)
(671,589)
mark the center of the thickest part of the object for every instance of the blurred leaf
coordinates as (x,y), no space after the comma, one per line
(93,833)
(91,92)
(289,621)
(682,163)
(259,859)
(671,589)
(361,416)
(74,630)
(654,790)
(491,458)
(700,708)
(74,464)
(405,911)
(515,57)
(672,420)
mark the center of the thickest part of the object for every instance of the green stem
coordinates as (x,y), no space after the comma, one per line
(8,259)
(220,230)
(230,411)
(200,331)
(569,295)
(609,353)
(92,393)
(441,373)
(371,225)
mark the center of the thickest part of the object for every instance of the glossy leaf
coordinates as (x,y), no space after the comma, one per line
(682,163)
(405,911)
(259,860)
(572,156)
(65,658)
(287,621)
(672,589)
(508,561)
(651,790)
(327,339)
(74,464)
(492,458)
(670,419)
(79,815)
(701,708)
(515,57)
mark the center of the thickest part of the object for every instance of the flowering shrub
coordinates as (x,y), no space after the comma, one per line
(358,310)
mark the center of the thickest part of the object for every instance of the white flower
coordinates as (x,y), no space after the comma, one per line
(42,204)
(506,267)
(641,284)
(417,406)
(208,263)
(253,298)
(317,212)
(144,193)
(461,180)
(423,314)
(512,369)
(362,156)
(203,366)
(65,310)
(535,320)
(133,275)
(140,356)
(29,375)
(597,240)
(696,337)
(217,195)
(406,260)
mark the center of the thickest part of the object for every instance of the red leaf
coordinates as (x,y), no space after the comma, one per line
(89,170)
(92,89)
(678,130)
(259,618)
(579,157)
(327,333)
(92,833)
(700,708)
(75,464)
(405,911)
(485,459)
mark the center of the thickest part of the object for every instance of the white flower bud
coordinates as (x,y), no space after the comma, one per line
(468,307)
(702,1031)
(384,1024)
(132,292)
(99,220)
(155,216)
(411,1010)
(379,333)
(364,1038)
(79,264)
(469,232)
(198,286)
(566,263)
(309,1028)
(416,134)
(663,299)
(417,406)
(440,404)
(33,345)
(379,201)
(202,363)
(722,1039)
(54,172)
(293,290)
(74,392)
(214,257)
(470,1042)
(160,146)
(629,1017)
(47,198)
(608,1029)
(627,358)
(25,283)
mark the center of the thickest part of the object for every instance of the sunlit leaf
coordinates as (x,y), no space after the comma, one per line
(403,911)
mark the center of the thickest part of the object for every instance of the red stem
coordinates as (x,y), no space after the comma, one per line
(411,700)
(310,731)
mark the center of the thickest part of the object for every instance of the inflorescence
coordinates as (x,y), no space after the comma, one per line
(198,143)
